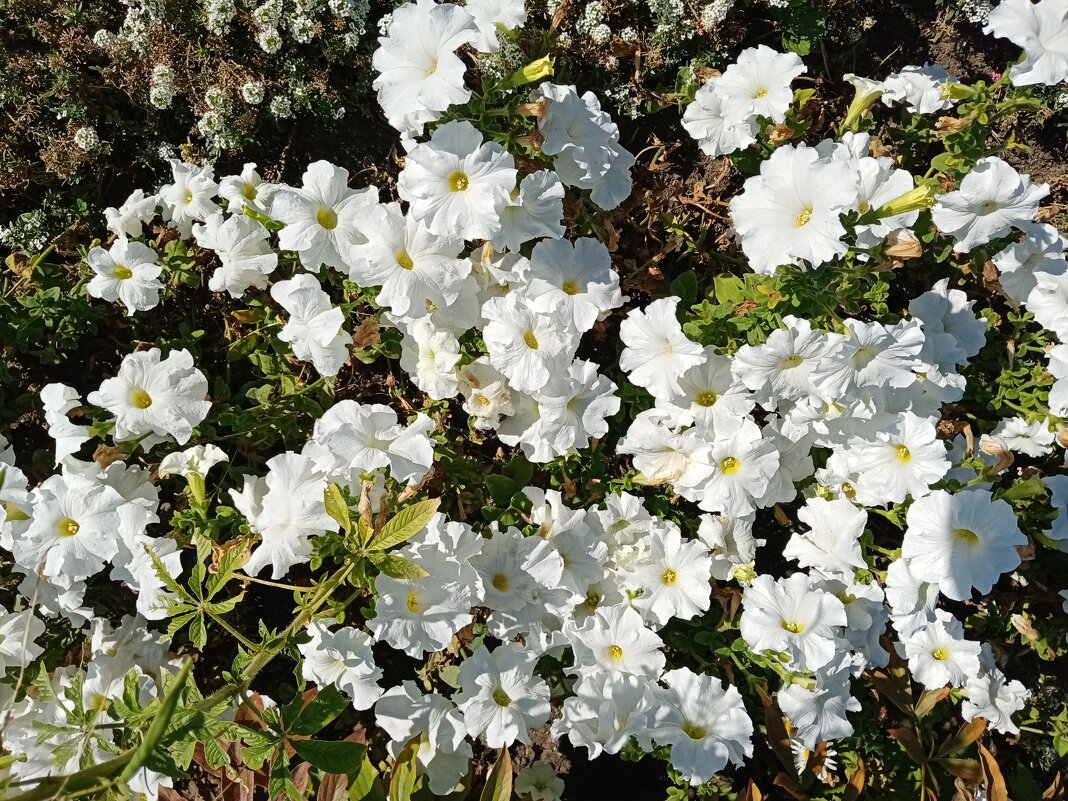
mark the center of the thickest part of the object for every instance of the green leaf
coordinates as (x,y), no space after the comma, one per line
(333,757)
(365,785)
(685,286)
(159,724)
(404,525)
(337,507)
(405,769)
(327,704)
(499,782)
(501,489)
(728,289)
(396,566)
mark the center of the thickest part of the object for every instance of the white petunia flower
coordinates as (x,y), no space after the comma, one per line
(491,16)
(831,546)
(314,326)
(18,632)
(420,74)
(939,655)
(528,347)
(247,189)
(904,460)
(1032,439)
(430,356)
(533,211)
(444,753)
(573,280)
(245,255)
(195,461)
(128,219)
(606,711)
(58,400)
(742,462)
(674,579)
(993,198)
(870,355)
(790,615)
(154,396)
(342,658)
(781,368)
(730,542)
(789,214)
(1041,30)
(499,696)
(539,782)
(818,714)
(657,353)
(456,182)
(1040,251)
(320,216)
(992,696)
(574,408)
(616,640)
(758,84)
(190,197)
(952,332)
(704,722)
(961,542)
(922,89)
(127,272)
(1048,301)
(719,126)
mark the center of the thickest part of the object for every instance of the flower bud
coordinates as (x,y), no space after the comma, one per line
(534,71)
(913,200)
(866,92)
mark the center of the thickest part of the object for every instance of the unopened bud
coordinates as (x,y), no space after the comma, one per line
(532,72)
(915,199)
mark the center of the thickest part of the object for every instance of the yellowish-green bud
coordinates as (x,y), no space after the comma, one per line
(914,200)
(532,72)
(957,91)
(865,93)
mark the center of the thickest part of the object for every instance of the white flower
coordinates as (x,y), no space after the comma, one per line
(781,368)
(992,696)
(417,271)
(127,220)
(128,272)
(246,257)
(343,659)
(952,332)
(1048,301)
(526,346)
(719,126)
(420,74)
(191,195)
(789,214)
(831,546)
(430,356)
(539,782)
(1058,489)
(904,460)
(709,392)
(818,714)
(486,393)
(870,355)
(161,397)
(532,211)
(584,143)
(616,640)
(512,567)
(499,696)
(58,400)
(246,189)
(195,461)
(1041,29)
(993,198)
(657,352)
(489,15)
(742,462)
(911,599)
(704,722)
(286,509)
(74,529)
(456,182)
(939,655)
(758,83)
(606,711)
(575,406)
(1040,251)
(573,280)
(922,89)
(1032,439)
(18,632)
(134,567)
(674,579)
(444,753)
(314,326)
(730,541)
(961,542)
(320,217)
(790,615)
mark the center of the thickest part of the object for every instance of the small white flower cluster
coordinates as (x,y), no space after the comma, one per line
(162,90)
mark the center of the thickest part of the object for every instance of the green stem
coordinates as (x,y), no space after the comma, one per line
(51,787)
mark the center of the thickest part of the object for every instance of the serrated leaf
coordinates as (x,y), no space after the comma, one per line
(331,756)
(159,725)
(396,566)
(404,525)
(337,507)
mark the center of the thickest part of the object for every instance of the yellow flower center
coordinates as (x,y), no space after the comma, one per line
(530,339)
(759,93)
(729,465)
(500,697)
(901,453)
(413,604)
(188,196)
(705,399)
(248,191)
(570,288)
(457,182)
(501,583)
(693,731)
(941,654)
(668,577)
(803,218)
(432,67)
(791,361)
(404,261)
(121,272)
(481,401)
(67,527)
(967,535)
(326,218)
(615,653)
(140,399)
(793,626)
(848,490)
